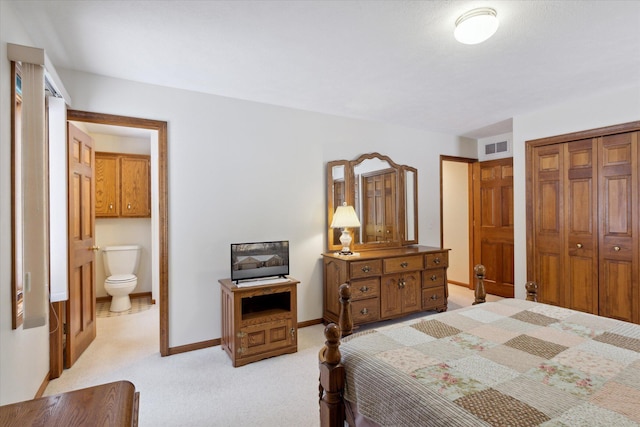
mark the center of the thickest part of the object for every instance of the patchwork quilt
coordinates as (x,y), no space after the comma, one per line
(506,363)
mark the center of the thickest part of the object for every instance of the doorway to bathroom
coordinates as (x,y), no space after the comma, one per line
(145,137)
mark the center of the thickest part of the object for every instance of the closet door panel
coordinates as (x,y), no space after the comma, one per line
(618,247)
(549,247)
(581,273)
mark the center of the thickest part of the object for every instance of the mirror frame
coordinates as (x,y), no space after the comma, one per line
(406,215)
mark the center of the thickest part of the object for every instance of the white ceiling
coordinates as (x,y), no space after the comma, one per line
(389,61)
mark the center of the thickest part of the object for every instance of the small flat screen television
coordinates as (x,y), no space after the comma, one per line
(259,260)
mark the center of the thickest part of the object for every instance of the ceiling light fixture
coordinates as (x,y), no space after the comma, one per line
(476,26)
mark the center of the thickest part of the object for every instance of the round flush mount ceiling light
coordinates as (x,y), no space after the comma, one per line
(476,26)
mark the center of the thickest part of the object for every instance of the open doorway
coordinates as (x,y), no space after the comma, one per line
(157,132)
(456,213)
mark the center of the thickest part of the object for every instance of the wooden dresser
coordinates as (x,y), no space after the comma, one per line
(109,405)
(387,283)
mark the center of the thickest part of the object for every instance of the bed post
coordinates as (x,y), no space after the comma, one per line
(532,291)
(332,411)
(345,320)
(480,293)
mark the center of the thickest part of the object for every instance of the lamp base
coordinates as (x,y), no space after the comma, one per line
(345,239)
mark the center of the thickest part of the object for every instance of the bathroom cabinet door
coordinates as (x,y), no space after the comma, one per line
(135,188)
(107,185)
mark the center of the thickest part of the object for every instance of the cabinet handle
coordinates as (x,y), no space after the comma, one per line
(366,269)
(579,245)
(402,283)
(404,264)
(364,311)
(364,289)
(436,261)
(434,297)
(616,248)
(434,278)
(110,206)
(128,205)
(293,333)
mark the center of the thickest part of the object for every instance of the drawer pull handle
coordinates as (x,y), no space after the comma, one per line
(434,297)
(579,245)
(434,278)
(366,269)
(364,289)
(436,261)
(404,264)
(364,311)
(616,248)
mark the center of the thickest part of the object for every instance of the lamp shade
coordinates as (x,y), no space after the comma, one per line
(345,216)
(476,26)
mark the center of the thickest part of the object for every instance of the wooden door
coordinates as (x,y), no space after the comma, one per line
(618,215)
(579,239)
(548,247)
(81,307)
(493,223)
(134,187)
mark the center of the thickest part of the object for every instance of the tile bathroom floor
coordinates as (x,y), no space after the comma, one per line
(137,305)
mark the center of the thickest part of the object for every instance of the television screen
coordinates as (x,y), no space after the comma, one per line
(259,259)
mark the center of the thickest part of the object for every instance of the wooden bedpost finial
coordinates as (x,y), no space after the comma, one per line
(480,293)
(345,318)
(332,352)
(532,291)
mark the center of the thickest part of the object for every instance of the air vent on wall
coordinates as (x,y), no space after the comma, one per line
(496,147)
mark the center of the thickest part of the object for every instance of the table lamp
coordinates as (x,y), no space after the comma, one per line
(345,217)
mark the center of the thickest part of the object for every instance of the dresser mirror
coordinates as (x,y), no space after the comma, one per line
(384,196)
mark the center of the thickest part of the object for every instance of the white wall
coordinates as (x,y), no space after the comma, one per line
(24,354)
(243,171)
(616,107)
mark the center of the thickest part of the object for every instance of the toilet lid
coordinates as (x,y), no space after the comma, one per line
(118,278)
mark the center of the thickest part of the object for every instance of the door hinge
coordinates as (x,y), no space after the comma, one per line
(65,328)
(241,350)
(241,334)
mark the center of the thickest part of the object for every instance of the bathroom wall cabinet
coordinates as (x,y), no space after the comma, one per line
(259,321)
(122,185)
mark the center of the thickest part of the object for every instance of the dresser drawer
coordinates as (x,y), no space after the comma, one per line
(365,288)
(365,268)
(400,264)
(365,310)
(433,277)
(435,260)
(433,298)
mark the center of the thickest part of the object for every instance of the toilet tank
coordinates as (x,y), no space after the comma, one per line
(122,259)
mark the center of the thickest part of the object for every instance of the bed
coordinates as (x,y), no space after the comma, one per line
(506,363)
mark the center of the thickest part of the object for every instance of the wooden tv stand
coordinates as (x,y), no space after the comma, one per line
(259,321)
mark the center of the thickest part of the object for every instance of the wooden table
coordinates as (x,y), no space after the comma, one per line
(113,404)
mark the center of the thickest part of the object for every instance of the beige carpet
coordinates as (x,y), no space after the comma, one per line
(201,388)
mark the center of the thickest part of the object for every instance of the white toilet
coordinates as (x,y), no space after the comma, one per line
(120,264)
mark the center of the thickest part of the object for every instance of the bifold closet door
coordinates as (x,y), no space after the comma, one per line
(566,238)
(619,247)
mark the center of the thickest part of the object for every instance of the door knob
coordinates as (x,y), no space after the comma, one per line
(94,248)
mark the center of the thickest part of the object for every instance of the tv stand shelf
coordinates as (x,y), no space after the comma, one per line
(259,321)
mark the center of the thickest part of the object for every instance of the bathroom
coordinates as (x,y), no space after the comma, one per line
(118,231)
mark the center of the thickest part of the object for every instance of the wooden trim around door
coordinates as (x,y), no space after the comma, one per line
(163,203)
